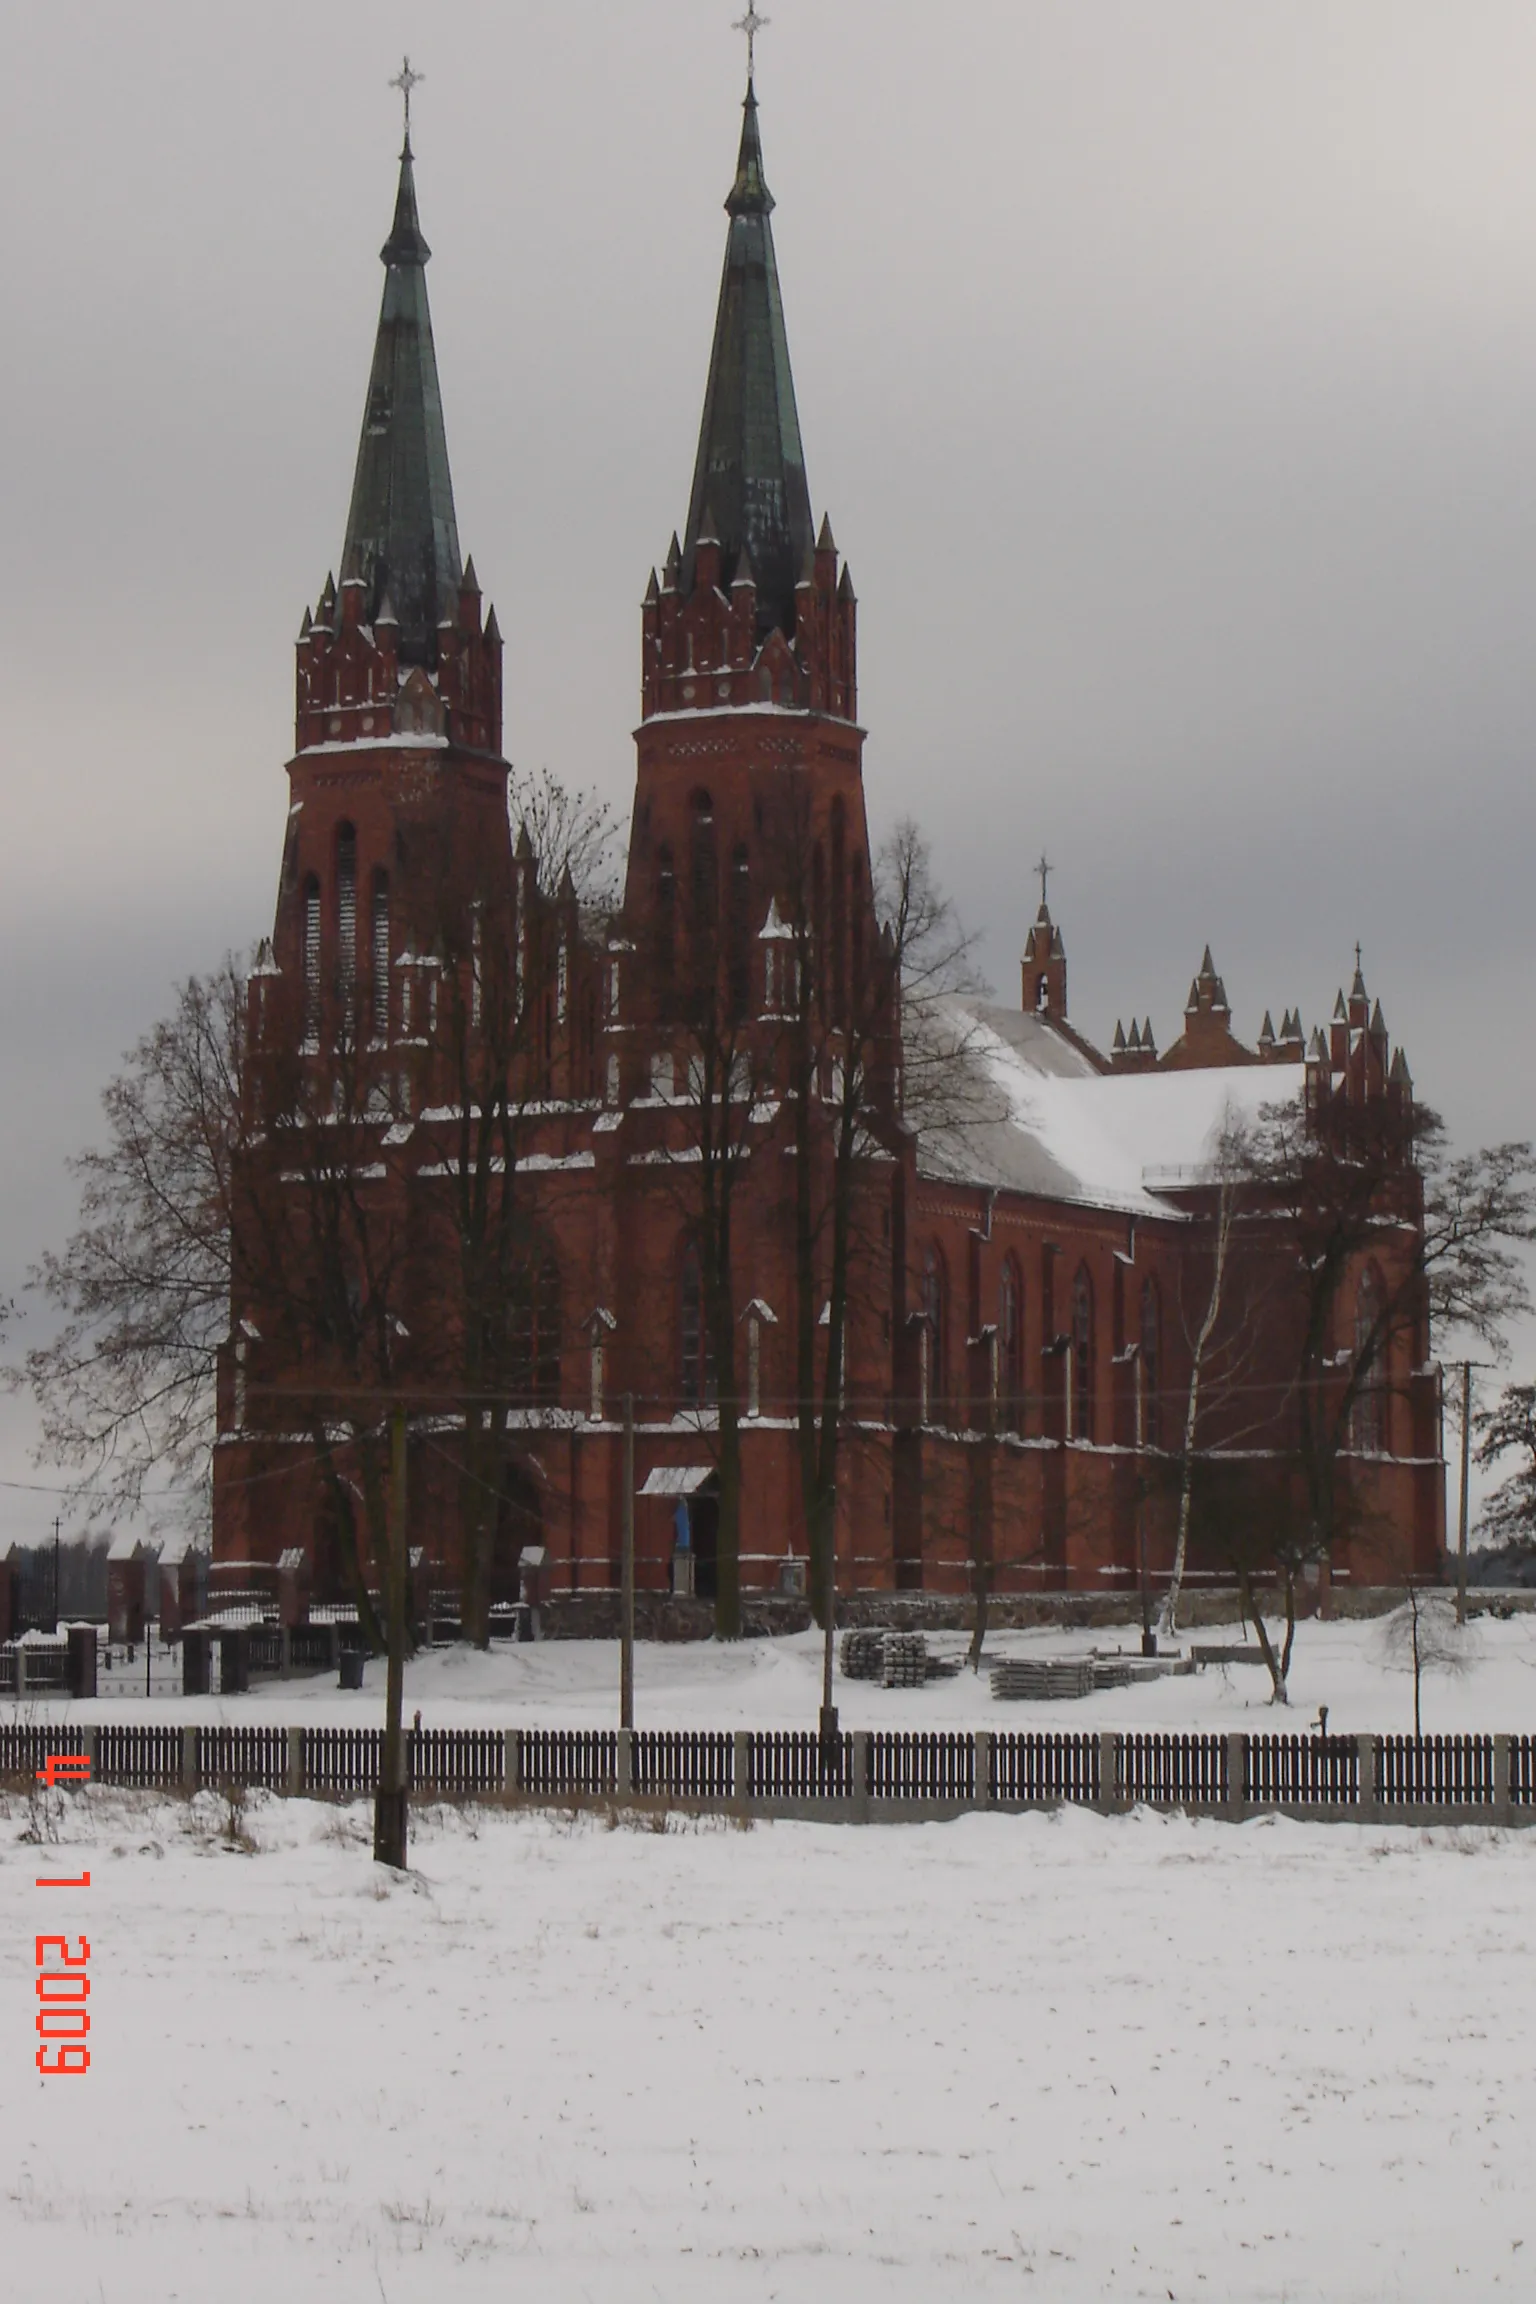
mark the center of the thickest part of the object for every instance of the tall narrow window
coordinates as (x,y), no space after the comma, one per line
(1366,1420)
(936,1321)
(536,1335)
(312,961)
(346,916)
(839,955)
(1151,1366)
(666,916)
(381,957)
(857,932)
(1010,1346)
(1082,1355)
(698,1362)
(739,952)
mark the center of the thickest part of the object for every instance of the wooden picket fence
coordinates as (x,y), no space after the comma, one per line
(857,1776)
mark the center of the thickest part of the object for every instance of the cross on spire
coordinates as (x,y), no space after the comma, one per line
(405,80)
(1045,868)
(751,24)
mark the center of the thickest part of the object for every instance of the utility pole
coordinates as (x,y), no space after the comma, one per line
(1466,1476)
(56,1572)
(390,1801)
(627,1573)
(829,1743)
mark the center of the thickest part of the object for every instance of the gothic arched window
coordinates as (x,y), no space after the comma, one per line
(1010,1346)
(1151,1365)
(1082,1355)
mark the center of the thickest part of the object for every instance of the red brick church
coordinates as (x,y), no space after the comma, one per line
(520,1162)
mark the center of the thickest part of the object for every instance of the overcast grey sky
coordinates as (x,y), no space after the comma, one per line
(1169,375)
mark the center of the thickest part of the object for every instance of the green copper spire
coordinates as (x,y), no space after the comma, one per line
(750,476)
(402,537)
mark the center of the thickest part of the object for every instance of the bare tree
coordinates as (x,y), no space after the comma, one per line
(1223,1219)
(1353,1185)
(126,1386)
(872,1042)
(1506,1429)
(503,945)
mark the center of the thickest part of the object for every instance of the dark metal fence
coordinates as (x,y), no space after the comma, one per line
(1045,1765)
(1174,1771)
(794,1764)
(922,1766)
(693,1765)
(1389,1778)
(1435,1771)
(565,1760)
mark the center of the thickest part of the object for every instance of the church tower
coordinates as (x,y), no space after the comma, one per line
(398,816)
(749,749)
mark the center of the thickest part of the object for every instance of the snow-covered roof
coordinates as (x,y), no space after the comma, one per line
(1031,1114)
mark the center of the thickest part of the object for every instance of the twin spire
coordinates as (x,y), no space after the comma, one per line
(402,537)
(750,494)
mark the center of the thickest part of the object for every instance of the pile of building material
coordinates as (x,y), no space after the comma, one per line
(903,1660)
(860,1655)
(1039,1680)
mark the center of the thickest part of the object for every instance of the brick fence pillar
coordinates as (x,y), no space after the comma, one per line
(189,1759)
(1237,1775)
(741,1764)
(1366,1747)
(295,1762)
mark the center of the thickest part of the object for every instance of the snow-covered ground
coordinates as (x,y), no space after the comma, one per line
(1065,2057)
(1349,1667)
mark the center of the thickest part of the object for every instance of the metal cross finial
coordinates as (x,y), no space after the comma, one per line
(1045,868)
(1357,959)
(751,24)
(405,80)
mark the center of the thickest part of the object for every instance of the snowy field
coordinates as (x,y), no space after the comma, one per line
(1350,1667)
(1061,2057)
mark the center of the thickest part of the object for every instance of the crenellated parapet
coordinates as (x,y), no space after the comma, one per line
(702,647)
(353,687)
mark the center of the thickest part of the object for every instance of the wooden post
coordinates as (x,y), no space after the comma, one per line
(741,1764)
(1501,1780)
(512,1758)
(624,1765)
(189,1759)
(627,1574)
(295,1761)
(389,1803)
